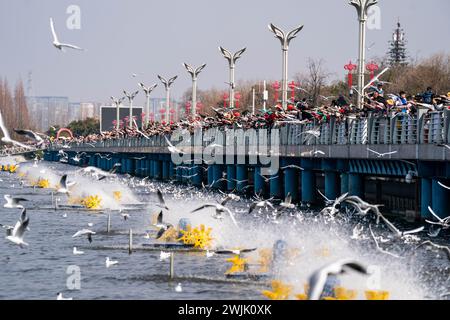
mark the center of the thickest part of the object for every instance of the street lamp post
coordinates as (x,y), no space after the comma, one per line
(232,58)
(362,7)
(147,91)
(130,97)
(117,103)
(167,84)
(285,39)
(194,73)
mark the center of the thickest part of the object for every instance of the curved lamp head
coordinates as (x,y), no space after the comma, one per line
(147,90)
(167,83)
(362,6)
(284,38)
(194,72)
(232,58)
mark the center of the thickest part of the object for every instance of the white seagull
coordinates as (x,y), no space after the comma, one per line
(292,166)
(60,297)
(172,148)
(83,232)
(287,203)
(164,255)
(162,203)
(7,138)
(381,155)
(64,186)
(77,252)
(16,234)
(31,135)
(110,262)
(443,185)
(319,278)
(58,45)
(13,202)
(220,209)
(178,288)
(398,233)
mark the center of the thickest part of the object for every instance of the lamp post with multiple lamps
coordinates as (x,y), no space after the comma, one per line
(147,91)
(117,103)
(232,58)
(362,6)
(167,84)
(285,39)
(194,73)
(130,97)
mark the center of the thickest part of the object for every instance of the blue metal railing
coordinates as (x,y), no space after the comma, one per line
(430,128)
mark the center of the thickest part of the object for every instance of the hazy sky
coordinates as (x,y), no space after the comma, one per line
(155,37)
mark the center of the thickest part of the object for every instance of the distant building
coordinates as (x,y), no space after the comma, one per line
(74,112)
(87,110)
(48,111)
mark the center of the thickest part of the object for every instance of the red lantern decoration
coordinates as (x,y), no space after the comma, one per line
(290,107)
(199,106)
(236,114)
(292,86)
(372,67)
(225,98)
(350,67)
(276,86)
(237,97)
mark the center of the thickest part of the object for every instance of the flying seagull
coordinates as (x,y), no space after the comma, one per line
(83,232)
(287,203)
(443,248)
(58,45)
(220,209)
(16,234)
(398,233)
(443,185)
(172,148)
(319,278)
(445,223)
(381,155)
(64,186)
(234,251)
(30,134)
(12,202)
(7,138)
(292,166)
(162,203)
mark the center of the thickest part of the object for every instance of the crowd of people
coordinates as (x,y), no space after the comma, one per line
(376,102)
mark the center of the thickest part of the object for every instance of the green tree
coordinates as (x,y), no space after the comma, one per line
(84,127)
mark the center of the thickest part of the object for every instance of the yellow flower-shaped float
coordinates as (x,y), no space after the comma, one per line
(43,183)
(280,291)
(239,264)
(117,195)
(170,235)
(92,202)
(199,237)
(377,295)
(344,294)
(13,168)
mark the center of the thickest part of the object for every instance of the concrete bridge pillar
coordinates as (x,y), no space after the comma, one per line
(344,183)
(231,174)
(356,185)
(291,183)
(440,198)
(198,171)
(241,175)
(332,186)
(425,197)
(308,181)
(158,169)
(218,174)
(165,170)
(276,186)
(210,174)
(172,174)
(260,184)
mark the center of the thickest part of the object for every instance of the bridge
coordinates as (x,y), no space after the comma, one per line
(395,161)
